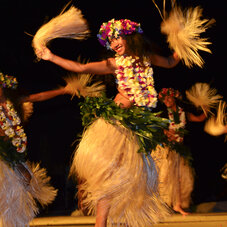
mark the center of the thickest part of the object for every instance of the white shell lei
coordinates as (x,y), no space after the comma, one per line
(175,126)
(10,124)
(136,80)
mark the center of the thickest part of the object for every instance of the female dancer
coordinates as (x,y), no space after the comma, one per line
(22,183)
(173,160)
(119,182)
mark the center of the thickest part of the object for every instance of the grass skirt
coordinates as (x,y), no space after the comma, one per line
(18,198)
(176,178)
(109,165)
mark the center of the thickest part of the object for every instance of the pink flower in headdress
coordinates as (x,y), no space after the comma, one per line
(168,92)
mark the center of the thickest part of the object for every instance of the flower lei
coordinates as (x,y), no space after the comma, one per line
(176,126)
(115,28)
(10,124)
(8,81)
(136,81)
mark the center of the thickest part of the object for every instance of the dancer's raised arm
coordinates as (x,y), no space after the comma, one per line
(165,62)
(102,67)
(42,96)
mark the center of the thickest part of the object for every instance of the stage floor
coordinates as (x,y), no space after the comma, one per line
(176,220)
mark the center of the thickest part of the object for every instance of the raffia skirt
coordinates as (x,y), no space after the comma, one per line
(176,178)
(109,165)
(18,196)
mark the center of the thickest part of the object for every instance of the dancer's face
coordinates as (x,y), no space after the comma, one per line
(169,101)
(119,45)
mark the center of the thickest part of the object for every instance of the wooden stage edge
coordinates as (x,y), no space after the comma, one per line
(176,220)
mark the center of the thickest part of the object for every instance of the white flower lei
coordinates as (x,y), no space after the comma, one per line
(10,124)
(175,126)
(137,81)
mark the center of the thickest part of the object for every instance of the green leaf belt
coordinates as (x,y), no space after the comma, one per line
(141,120)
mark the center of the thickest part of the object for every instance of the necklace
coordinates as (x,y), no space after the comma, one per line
(10,123)
(136,80)
(176,125)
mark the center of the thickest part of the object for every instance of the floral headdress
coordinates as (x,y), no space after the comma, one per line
(168,92)
(115,28)
(8,81)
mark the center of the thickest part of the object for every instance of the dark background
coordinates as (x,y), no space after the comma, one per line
(56,123)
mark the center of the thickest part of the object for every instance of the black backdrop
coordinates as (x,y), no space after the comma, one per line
(55,124)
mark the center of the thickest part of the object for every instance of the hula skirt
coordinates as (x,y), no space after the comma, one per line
(109,166)
(176,177)
(19,195)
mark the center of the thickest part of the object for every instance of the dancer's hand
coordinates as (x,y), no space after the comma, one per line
(68,89)
(171,135)
(44,53)
(175,56)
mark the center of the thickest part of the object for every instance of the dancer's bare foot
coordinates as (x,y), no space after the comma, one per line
(178,208)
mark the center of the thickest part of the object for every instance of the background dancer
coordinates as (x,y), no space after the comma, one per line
(22,183)
(176,175)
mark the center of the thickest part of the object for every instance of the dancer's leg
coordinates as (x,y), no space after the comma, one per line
(177,206)
(103,208)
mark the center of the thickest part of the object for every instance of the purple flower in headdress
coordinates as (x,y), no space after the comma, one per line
(7,81)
